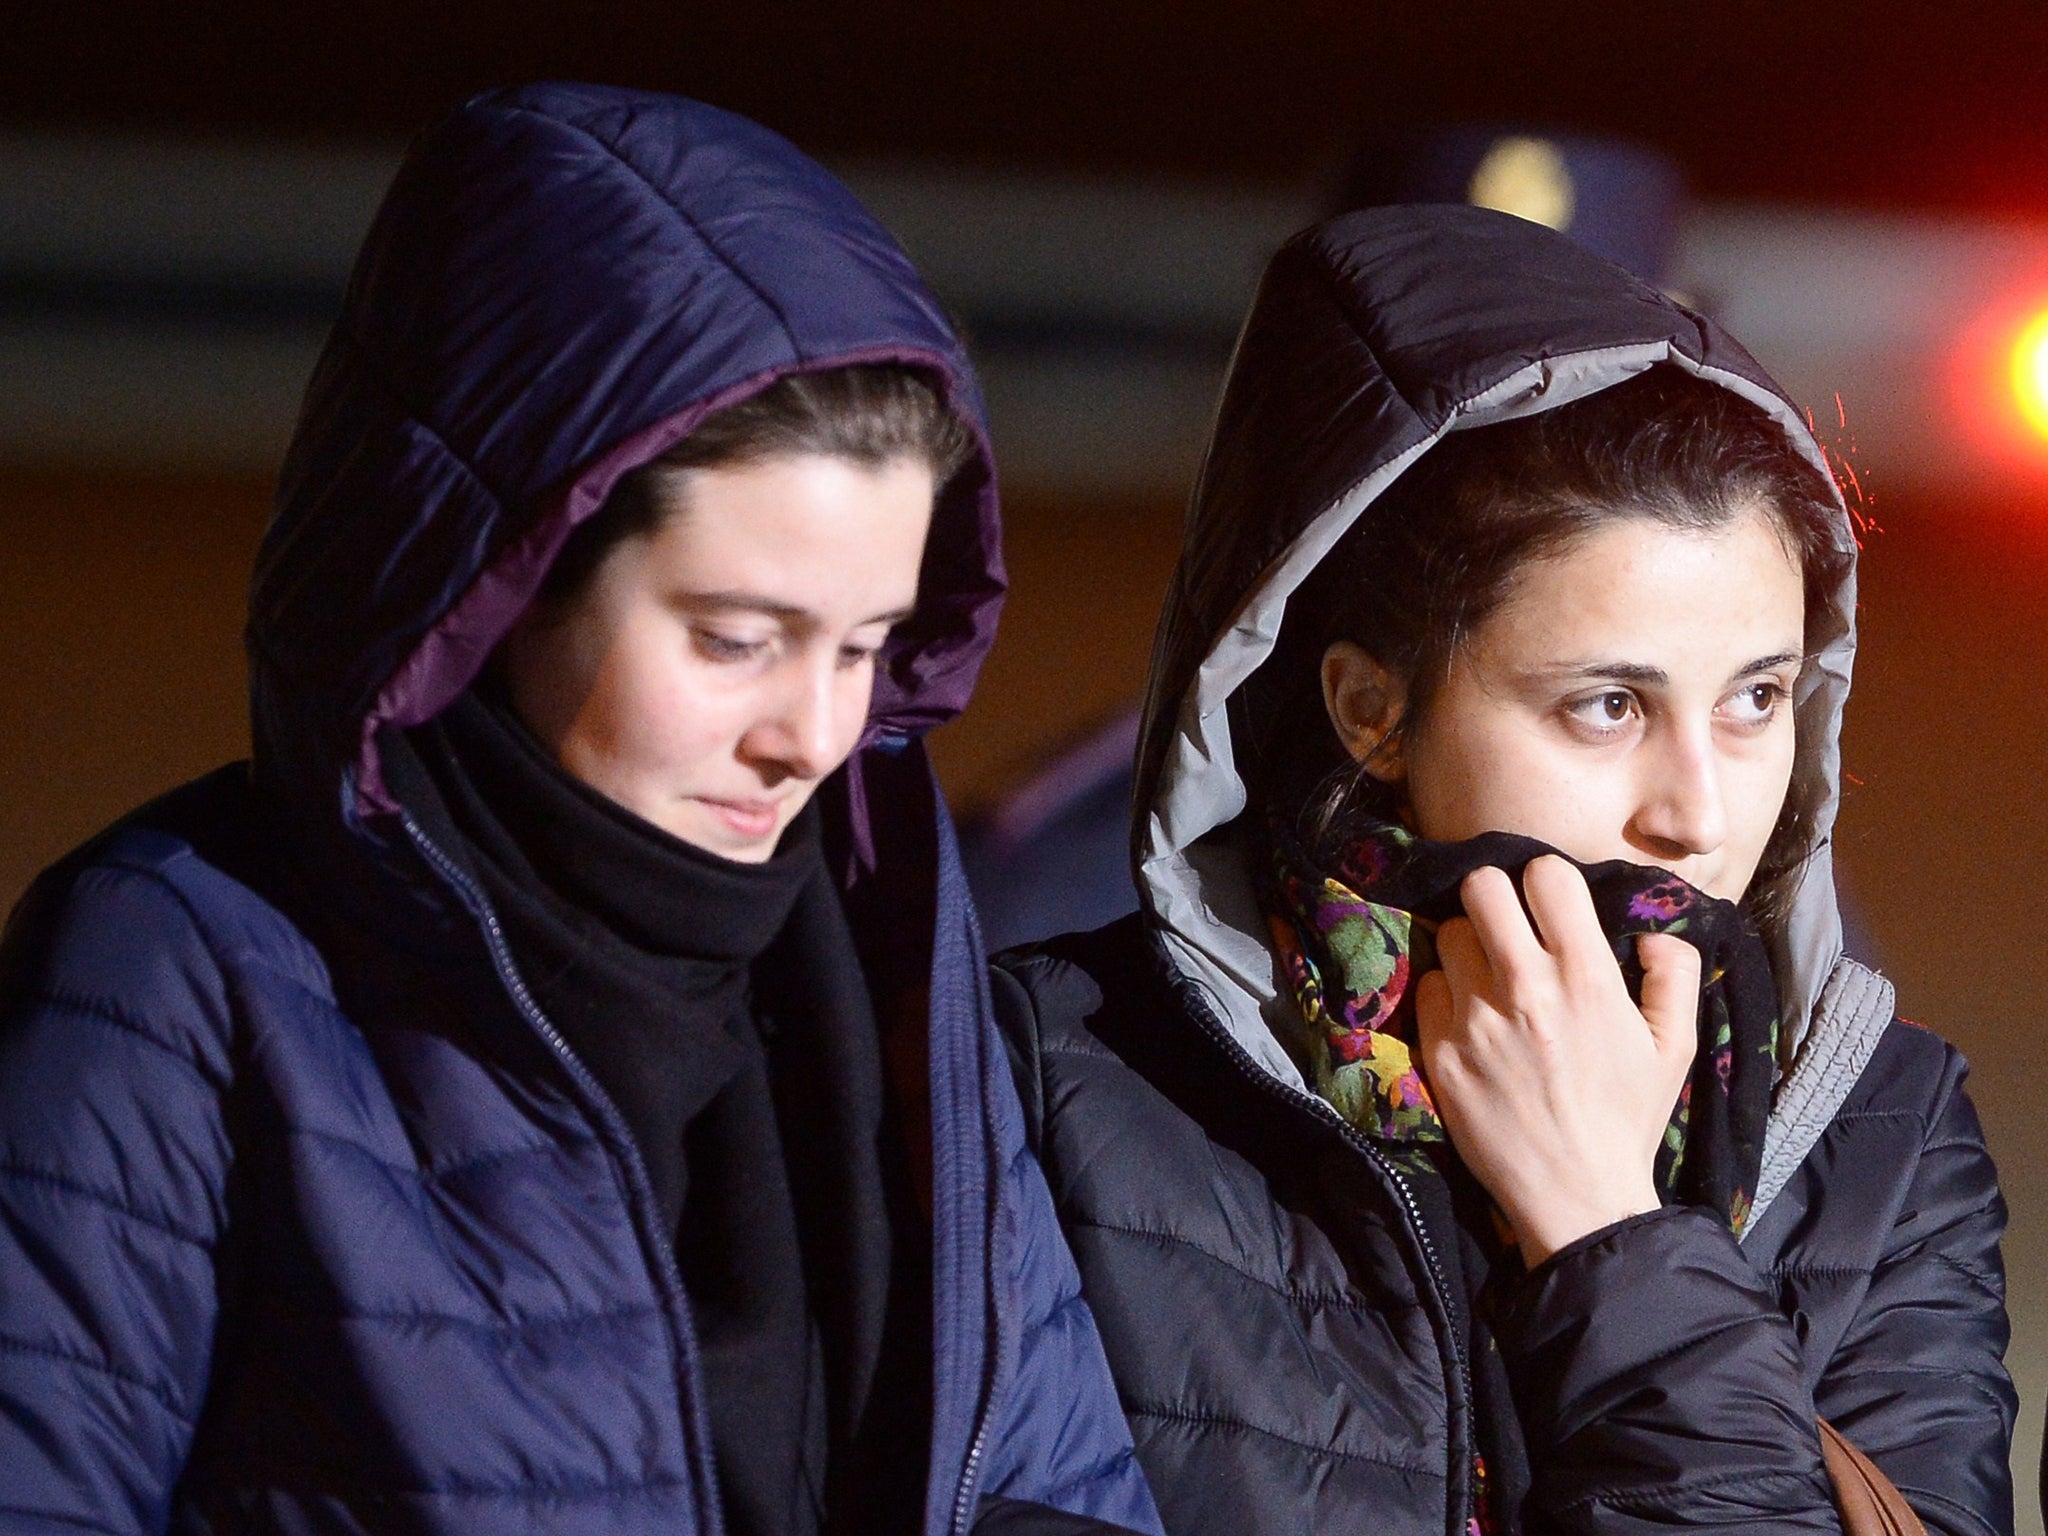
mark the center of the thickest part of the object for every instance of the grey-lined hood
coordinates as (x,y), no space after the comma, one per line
(1374,335)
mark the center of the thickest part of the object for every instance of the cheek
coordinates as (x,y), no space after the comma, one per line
(648,720)
(853,694)
(1764,787)
(1471,772)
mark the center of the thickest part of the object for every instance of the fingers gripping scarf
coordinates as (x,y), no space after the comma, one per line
(1353,938)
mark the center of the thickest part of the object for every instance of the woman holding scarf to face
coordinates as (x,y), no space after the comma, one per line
(1480,1128)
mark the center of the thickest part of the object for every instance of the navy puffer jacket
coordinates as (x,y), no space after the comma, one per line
(308,1219)
(1268,1285)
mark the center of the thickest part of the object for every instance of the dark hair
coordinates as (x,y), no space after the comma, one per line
(1431,560)
(869,413)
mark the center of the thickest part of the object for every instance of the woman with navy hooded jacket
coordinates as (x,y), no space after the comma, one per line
(1480,1127)
(551,1087)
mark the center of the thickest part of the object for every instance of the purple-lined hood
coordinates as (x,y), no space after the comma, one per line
(562,281)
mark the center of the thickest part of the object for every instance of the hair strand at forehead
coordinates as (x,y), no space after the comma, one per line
(869,414)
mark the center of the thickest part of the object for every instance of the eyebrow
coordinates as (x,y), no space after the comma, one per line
(786,613)
(1653,677)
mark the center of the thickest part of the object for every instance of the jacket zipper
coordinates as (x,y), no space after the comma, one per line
(508,975)
(977,1445)
(963,1495)
(961,1501)
(1236,1055)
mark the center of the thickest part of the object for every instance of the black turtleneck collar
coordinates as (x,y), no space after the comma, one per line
(809,1294)
(637,946)
(654,891)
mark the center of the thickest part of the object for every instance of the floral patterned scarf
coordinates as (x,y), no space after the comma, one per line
(1352,939)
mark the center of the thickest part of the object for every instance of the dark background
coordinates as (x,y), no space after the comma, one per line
(1929,106)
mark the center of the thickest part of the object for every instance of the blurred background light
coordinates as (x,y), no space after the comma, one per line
(1992,429)
(1527,177)
(162,299)
(2030,373)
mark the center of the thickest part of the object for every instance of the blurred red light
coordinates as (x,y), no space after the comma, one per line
(1998,390)
(2030,373)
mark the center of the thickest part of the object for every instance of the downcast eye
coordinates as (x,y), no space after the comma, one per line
(717,647)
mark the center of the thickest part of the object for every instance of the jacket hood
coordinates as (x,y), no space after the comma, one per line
(563,281)
(1372,336)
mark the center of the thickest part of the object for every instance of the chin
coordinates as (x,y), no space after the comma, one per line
(746,853)
(705,827)
(704,834)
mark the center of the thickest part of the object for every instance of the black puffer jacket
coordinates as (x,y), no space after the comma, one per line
(1268,1288)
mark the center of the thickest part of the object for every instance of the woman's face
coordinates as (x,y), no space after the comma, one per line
(712,672)
(1631,699)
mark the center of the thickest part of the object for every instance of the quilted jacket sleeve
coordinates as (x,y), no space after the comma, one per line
(113,1166)
(1916,1382)
(1661,1383)
(1062,1460)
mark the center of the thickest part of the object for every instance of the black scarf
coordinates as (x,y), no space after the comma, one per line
(722,1008)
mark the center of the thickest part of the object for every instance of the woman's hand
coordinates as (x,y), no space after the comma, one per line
(1554,1086)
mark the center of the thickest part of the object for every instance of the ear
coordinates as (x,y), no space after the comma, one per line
(1366,703)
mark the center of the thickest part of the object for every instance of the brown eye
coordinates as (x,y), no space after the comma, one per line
(1603,714)
(1757,703)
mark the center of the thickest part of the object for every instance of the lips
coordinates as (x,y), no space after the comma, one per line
(750,820)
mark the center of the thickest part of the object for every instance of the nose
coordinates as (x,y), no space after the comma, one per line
(803,732)
(1681,810)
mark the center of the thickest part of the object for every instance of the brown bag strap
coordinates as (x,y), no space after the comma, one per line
(1870,1505)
